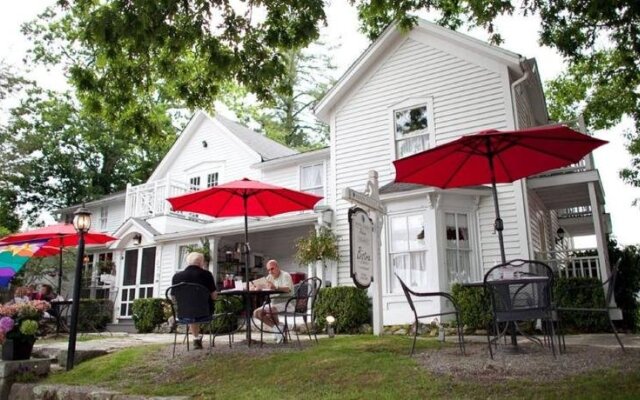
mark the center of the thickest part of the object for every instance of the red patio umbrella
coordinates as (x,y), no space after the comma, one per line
(244,198)
(493,156)
(59,236)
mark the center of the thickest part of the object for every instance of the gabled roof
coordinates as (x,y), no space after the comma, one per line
(380,47)
(263,147)
(267,148)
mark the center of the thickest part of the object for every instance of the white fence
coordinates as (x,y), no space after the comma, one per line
(572,263)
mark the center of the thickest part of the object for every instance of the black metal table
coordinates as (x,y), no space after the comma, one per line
(247,297)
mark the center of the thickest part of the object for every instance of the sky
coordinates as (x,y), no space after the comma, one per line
(520,36)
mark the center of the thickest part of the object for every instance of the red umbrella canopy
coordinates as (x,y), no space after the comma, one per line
(244,197)
(59,235)
(47,251)
(496,157)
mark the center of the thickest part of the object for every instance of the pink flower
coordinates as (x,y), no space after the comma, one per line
(6,324)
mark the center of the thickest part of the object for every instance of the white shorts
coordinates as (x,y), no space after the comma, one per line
(278,307)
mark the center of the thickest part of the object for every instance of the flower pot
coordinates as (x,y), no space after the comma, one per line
(17,349)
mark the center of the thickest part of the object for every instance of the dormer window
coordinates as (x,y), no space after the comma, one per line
(411,130)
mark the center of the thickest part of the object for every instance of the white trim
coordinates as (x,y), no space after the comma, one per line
(294,159)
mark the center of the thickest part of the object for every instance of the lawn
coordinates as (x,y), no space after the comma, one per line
(347,367)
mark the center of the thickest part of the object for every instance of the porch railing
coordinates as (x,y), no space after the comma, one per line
(149,199)
(573,263)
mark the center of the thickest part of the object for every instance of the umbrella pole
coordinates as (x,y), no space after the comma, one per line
(498,224)
(60,273)
(246,269)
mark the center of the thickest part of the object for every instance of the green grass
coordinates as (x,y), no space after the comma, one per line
(356,367)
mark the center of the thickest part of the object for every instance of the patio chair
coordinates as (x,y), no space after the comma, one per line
(410,295)
(603,307)
(190,305)
(519,290)
(301,306)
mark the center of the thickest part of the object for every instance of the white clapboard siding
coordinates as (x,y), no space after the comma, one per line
(221,146)
(466,97)
(288,176)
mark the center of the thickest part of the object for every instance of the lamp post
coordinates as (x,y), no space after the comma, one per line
(82,223)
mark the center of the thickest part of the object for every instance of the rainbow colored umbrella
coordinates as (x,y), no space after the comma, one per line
(14,256)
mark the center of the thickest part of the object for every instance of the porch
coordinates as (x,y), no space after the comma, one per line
(573,263)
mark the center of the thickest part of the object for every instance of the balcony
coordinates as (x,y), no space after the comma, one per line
(573,263)
(149,199)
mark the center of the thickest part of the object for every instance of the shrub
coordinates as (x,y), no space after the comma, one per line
(475,306)
(627,284)
(349,306)
(228,304)
(581,293)
(148,314)
(94,314)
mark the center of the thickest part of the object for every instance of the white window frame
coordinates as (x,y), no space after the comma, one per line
(409,104)
(209,179)
(468,276)
(194,183)
(311,189)
(181,255)
(393,286)
(104,217)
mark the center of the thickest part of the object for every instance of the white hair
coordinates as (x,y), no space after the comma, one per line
(195,258)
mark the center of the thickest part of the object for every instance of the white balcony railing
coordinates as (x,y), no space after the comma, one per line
(149,199)
(572,263)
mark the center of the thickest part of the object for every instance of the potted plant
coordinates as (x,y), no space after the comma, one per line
(106,267)
(19,323)
(317,247)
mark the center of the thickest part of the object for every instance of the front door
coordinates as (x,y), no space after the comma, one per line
(137,278)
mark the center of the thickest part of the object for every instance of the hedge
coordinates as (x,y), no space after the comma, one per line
(148,314)
(349,306)
(94,314)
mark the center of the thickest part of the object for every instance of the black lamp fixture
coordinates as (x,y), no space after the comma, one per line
(137,239)
(204,144)
(82,223)
(559,235)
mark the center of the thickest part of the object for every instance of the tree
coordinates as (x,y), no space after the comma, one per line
(56,154)
(599,40)
(128,54)
(287,118)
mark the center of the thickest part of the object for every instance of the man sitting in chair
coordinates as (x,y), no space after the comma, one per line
(276,280)
(196,272)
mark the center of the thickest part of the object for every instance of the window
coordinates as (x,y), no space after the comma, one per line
(104,215)
(183,251)
(411,126)
(407,251)
(311,179)
(212,179)
(458,248)
(194,183)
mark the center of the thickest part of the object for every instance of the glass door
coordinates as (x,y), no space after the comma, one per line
(137,278)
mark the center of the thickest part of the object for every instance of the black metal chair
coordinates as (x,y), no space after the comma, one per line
(301,305)
(190,304)
(410,294)
(519,290)
(605,307)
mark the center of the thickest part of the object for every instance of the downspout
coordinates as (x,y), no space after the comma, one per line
(523,186)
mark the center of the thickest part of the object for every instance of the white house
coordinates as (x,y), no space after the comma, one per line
(406,93)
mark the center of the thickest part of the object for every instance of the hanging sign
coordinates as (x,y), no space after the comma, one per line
(361,247)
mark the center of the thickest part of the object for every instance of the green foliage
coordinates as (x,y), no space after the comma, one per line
(227,304)
(317,245)
(56,153)
(45,269)
(148,314)
(349,306)
(204,247)
(627,284)
(581,293)
(131,56)
(94,314)
(475,306)
(287,118)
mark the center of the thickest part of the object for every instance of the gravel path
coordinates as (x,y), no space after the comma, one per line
(533,363)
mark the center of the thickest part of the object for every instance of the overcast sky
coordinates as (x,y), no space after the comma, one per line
(520,36)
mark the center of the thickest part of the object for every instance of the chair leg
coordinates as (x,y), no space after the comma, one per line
(175,341)
(615,331)
(489,340)
(415,337)
(186,336)
(460,333)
